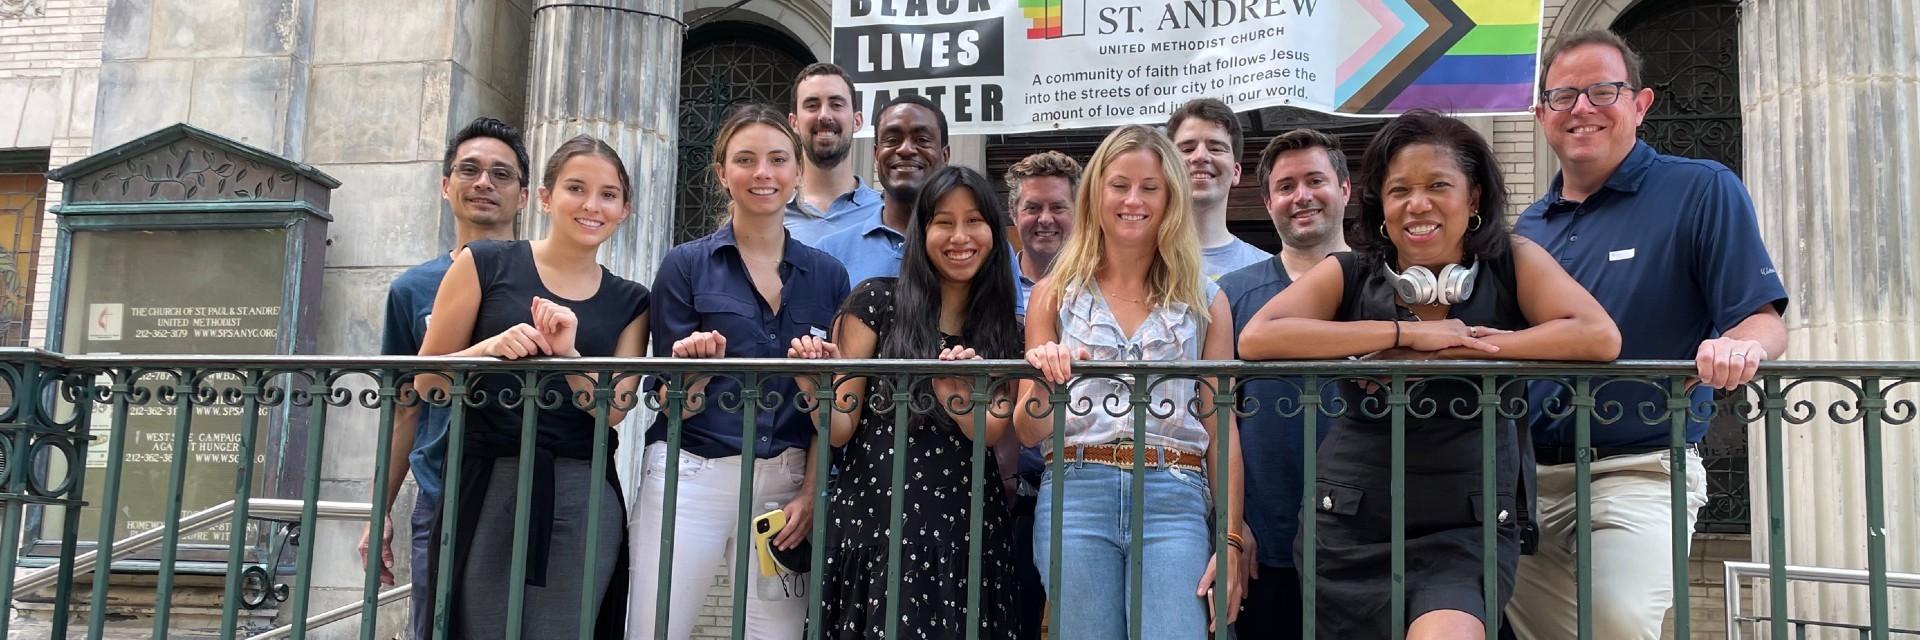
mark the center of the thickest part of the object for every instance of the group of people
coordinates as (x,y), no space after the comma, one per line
(1128,260)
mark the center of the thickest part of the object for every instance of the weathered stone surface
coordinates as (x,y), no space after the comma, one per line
(137,97)
(365,113)
(385,215)
(129,25)
(84,88)
(195,29)
(349,31)
(352,306)
(41,114)
(13,100)
(274,27)
(245,99)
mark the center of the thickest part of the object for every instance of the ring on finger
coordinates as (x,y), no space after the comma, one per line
(1473,332)
(1741,355)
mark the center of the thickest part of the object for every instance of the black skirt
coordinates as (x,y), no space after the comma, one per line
(1444,552)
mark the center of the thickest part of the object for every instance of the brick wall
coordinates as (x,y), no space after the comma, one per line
(1706,573)
(49,76)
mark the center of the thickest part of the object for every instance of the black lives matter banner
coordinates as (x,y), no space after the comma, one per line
(1008,66)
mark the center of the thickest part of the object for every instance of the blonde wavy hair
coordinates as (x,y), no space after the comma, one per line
(1175,273)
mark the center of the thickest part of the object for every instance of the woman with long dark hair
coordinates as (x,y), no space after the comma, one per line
(547,297)
(1434,274)
(953,300)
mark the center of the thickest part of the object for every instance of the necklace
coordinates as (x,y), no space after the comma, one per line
(743,254)
(1116,294)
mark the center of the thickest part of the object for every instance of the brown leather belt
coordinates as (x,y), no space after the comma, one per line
(1121,455)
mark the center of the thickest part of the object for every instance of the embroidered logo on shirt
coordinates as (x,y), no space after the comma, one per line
(817,332)
(1616,256)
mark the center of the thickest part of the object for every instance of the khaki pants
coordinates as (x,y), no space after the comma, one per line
(1632,569)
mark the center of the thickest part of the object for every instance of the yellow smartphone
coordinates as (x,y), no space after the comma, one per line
(765,527)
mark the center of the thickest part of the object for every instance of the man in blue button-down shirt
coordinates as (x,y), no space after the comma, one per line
(1670,246)
(909,144)
(831,197)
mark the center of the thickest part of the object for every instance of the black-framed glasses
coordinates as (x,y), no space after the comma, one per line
(1600,95)
(501,175)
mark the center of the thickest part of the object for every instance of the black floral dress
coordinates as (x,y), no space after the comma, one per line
(934,542)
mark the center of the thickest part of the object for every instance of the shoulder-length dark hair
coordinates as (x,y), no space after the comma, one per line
(1477,161)
(989,327)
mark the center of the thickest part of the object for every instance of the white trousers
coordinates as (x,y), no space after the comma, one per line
(705,522)
(1632,569)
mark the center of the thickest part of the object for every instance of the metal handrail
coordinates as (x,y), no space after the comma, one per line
(339,613)
(1731,590)
(260,508)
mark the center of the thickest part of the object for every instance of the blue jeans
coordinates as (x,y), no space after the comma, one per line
(1096,514)
(426,511)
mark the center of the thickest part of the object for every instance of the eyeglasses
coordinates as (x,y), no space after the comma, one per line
(1600,95)
(500,175)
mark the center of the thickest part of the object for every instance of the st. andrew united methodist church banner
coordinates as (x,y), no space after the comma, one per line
(1008,66)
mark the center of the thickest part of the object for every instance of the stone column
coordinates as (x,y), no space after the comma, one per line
(1829,93)
(612,74)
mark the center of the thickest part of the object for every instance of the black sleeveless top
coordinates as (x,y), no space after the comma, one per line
(508,283)
(1369,295)
(509,280)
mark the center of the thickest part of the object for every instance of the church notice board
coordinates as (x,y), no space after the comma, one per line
(186,243)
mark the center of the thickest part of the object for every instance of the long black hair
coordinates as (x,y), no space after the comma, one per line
(989,327)
(1477,160)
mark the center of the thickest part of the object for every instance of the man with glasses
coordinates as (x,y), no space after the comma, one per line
(1670,246)
(484,181)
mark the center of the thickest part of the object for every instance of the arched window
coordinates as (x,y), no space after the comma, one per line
(721,65)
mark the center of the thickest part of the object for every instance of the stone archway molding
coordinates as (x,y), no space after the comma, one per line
(808,21)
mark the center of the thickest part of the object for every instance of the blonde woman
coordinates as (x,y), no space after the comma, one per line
(1128,286)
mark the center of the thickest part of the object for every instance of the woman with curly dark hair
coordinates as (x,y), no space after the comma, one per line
(1434,274)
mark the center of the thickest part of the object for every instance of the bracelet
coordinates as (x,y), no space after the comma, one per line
(1235,545)
(1235,540)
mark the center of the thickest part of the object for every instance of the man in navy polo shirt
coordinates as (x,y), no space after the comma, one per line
(484,180)
(1670,246)
(1304,185)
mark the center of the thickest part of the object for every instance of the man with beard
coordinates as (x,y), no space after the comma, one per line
(484,179)
(909,144)
(1208,136)
(1303,183)
(831,196)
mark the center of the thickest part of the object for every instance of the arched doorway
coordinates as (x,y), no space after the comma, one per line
(721,65)
(1690,54)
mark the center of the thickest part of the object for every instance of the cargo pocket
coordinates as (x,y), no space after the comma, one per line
(1504,513)
(1338,499)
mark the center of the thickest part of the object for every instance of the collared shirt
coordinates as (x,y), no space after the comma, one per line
(1023,286)
(809,224)
(1671,248)
(703,286)
(1230,257)
(870,250)
(409,305)
(1272,441)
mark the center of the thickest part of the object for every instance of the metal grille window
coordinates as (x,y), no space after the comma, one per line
(724,64)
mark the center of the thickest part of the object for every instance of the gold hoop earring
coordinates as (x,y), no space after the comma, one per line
(1473,223)
(1383,230)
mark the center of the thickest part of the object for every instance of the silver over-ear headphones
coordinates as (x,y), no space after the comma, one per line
(1419,286)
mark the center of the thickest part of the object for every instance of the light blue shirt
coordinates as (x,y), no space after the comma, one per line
(851,209)
(870,250)
(1230,257)
(1023,287)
